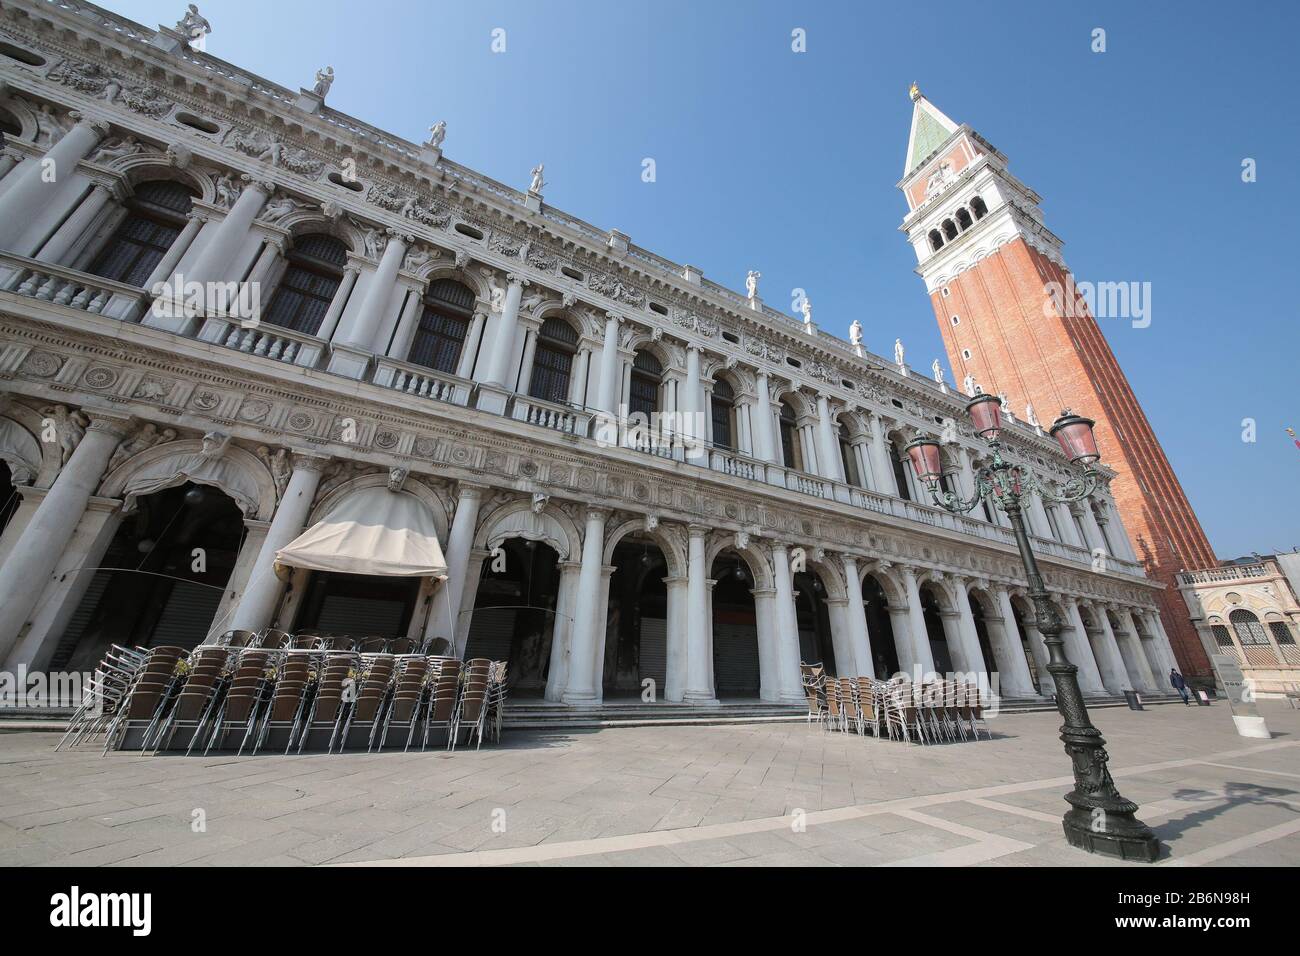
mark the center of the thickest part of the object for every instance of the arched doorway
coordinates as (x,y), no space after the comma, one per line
(933,608)
(359,605)
(514,611)
(884,651)
(736,670)
(813,615)
(161,579)
(636,630)
(982,631)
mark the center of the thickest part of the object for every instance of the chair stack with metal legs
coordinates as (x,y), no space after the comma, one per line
(315,691)
(937,711)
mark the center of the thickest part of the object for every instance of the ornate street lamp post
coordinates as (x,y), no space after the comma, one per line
(1099,820)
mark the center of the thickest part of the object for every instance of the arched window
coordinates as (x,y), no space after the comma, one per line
(978,208)
(647,373)
(791,453)
(1249,630)
(848,459)
(900,470)
(155,217)
(313,276)
(963,219)
(949,229)
(557,343)
(723,406)
(9,124)
(448,309)
(936,240)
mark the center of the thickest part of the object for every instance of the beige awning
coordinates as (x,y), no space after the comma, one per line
(374,531)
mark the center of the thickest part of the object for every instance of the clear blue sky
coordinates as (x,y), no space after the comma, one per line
(787,162)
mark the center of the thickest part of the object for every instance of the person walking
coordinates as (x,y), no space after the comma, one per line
(1179,683)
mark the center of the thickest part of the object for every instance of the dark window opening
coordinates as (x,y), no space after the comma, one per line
(309,284)
(155,217)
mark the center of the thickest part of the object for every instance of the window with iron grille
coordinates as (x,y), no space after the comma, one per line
(1281,633)
(155,217)
(310,281)
(1249,630)
(723,403)
(900,471)
(1222,636)
(440,336)
(849,460)
(557,341)
(646,376)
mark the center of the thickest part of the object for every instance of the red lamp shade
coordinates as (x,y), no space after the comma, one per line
(1074,432)
(924,454)
(985,413)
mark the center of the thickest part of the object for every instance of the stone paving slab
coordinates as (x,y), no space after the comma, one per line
(731,795)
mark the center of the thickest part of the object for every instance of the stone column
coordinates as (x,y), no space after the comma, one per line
(678,595)
(503,342)
(1094,529)
(40,181)
(1162,644)
(330,321)
(1015,678)
(1068,530)
(412,308)
(1150,651)
(214,259)
(699,647)
(857,620)
(1130,649)
(900,622)
(36,553)
(469,352)
(765,617)
(460,541)
(166,267)
(788,677)
(607,388)
(356,341)
(764,442)
(1113,673)
(970,634)
(588,630)
(526,362)
(557,677)
(829,450)
(75,226)
(691,406)
(1039,513)
(882,469)
(920,637)
(1079,650)
(257,607)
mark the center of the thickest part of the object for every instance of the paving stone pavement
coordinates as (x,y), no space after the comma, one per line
(735,795)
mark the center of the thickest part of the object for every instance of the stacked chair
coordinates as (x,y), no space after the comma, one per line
(938,711)
(304,692)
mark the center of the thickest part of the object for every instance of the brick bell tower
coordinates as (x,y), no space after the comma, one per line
(1002,294)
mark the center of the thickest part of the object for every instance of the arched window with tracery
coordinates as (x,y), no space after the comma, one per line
(309,283)
(156,215)
(440,336)
(1248,628)
(557,343)
(647,375)
(722,405)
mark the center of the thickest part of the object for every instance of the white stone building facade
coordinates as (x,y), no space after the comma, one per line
(430,333)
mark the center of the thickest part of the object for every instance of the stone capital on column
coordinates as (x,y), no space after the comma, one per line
(515,279)
(309,461)
(113,424)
